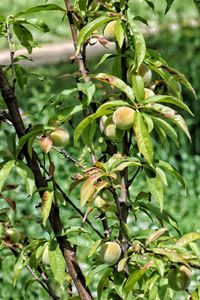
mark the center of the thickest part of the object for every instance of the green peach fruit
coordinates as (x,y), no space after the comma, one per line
(59,137)
(179,278)
(123,117)
(110,253)
(109,31)
(146,74)
(110,130)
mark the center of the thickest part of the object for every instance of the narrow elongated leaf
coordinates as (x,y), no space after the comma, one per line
(172,255)
(94,248)
(47,199)
(143,138)
(24,36)
(57,263)
(188,238)
(89,187)
(116,82)
(88,89)
(5,171)
(156,189)
(119,32)
(180,77)
(65,113)
(110,105)
(89,29)
(169,168)
(155,235)
(140,45)
(27,175)
(104,58)
(81,126)
(131,281)
(169,4)
(102,282)
(171,114)
(19,265)
(167,99)
(95,271)
(44,7)
(149,122)
(138,87)
(168,129)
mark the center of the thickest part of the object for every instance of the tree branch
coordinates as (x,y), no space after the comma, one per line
(74,270)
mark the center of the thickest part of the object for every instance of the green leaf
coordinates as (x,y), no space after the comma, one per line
(5,171)
(143,138)
(119,32)
(47,200)
(171,114)
(116,82)
(94,247)
(188,238)
(88,89)
(167,167)
(19,265)
(57,263)
(38,8)
(89,186)
(163,216)
(132,279)
(195,294)
(156,189)
(167,99)
(65,113)
(92,273)
(102,282)
(24,36)
(25,172)
(80,241)
(21,75)
(138,87)
(168,129)
(140,46)
(148,121)
(104,58)
(155,235)
(169,4)
(81,126)
(38,129)
(105,107)
(172,255)
(87,30)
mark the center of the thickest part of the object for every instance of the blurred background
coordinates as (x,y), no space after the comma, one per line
(177,37)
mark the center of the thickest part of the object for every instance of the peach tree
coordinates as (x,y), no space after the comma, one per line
(132,247)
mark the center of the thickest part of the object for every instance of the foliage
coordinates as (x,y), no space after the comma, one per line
(107,170)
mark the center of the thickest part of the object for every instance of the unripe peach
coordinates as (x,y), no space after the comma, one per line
(179,278)
(13,235)
(110,253)
(59,137)
(148,93)
(106,195)
(109,31)
(123,117)
(145,73)
(110,130)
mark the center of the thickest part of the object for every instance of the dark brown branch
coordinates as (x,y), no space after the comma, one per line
(74,270)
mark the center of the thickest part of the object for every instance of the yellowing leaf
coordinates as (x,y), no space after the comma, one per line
(47,199)
(143,138)
(188,238)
